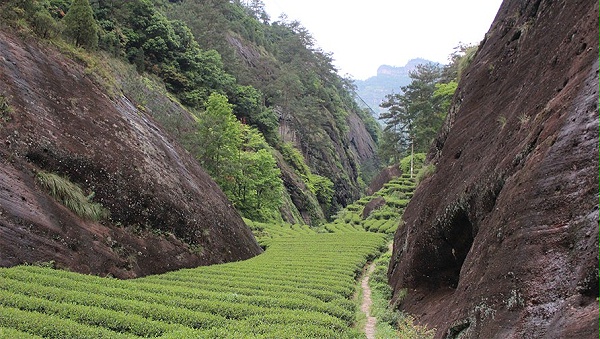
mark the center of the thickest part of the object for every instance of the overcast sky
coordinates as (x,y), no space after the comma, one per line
(362,35)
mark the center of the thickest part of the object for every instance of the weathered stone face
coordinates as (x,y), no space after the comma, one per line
(502,241)
(384,176)
(166,212)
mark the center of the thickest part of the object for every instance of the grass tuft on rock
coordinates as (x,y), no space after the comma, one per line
(71,196)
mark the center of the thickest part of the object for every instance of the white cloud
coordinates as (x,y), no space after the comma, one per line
(362,35)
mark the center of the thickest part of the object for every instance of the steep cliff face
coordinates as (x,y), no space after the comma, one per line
(333,147)
(502,241)
(165,211)
(337,154)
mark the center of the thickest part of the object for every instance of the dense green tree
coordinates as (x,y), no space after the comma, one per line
(257,186)
(14,10)
(443,95)
(258,9)
(322,188)
(248,106)
(207,21)
(80,25)
(147,38)
(218,137)
(239,159)
(416,113)
(461,57)
(44,25)
(391,147)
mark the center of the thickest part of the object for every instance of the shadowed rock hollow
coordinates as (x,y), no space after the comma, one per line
(502,241)
(165,211)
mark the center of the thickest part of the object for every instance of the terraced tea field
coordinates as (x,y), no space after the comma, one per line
(301,287)
(385,219)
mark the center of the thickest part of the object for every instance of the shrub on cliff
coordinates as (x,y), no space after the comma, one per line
(239,159)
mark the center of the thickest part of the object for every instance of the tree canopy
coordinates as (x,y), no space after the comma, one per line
(416,113)
(239,159)
(80,25)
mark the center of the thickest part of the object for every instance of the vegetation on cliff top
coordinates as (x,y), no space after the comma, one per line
(415,114)
(271,74)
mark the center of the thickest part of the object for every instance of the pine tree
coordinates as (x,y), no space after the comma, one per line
(415,115)
(80,25)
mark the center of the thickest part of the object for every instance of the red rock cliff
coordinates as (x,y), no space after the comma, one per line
(166,212)
(502,241)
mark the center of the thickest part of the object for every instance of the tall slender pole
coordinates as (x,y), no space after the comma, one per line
(412,156)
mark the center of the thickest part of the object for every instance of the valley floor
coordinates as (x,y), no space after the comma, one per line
(302,286)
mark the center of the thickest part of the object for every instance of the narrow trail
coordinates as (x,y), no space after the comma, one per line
(367,302)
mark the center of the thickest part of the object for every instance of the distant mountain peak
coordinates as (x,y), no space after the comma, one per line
(387,70)
(389,79)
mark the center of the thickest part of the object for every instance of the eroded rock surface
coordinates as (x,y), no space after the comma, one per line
(502,241)
(383,177)
(165,211)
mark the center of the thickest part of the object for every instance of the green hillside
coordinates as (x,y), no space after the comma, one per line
(223,65)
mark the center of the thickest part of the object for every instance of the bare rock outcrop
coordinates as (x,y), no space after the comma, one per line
(502,241)
(165,211)
(383,177)
(371,206)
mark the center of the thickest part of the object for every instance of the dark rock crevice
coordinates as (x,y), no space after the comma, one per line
(458,237)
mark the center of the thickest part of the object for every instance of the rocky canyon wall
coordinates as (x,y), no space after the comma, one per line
(502,240)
